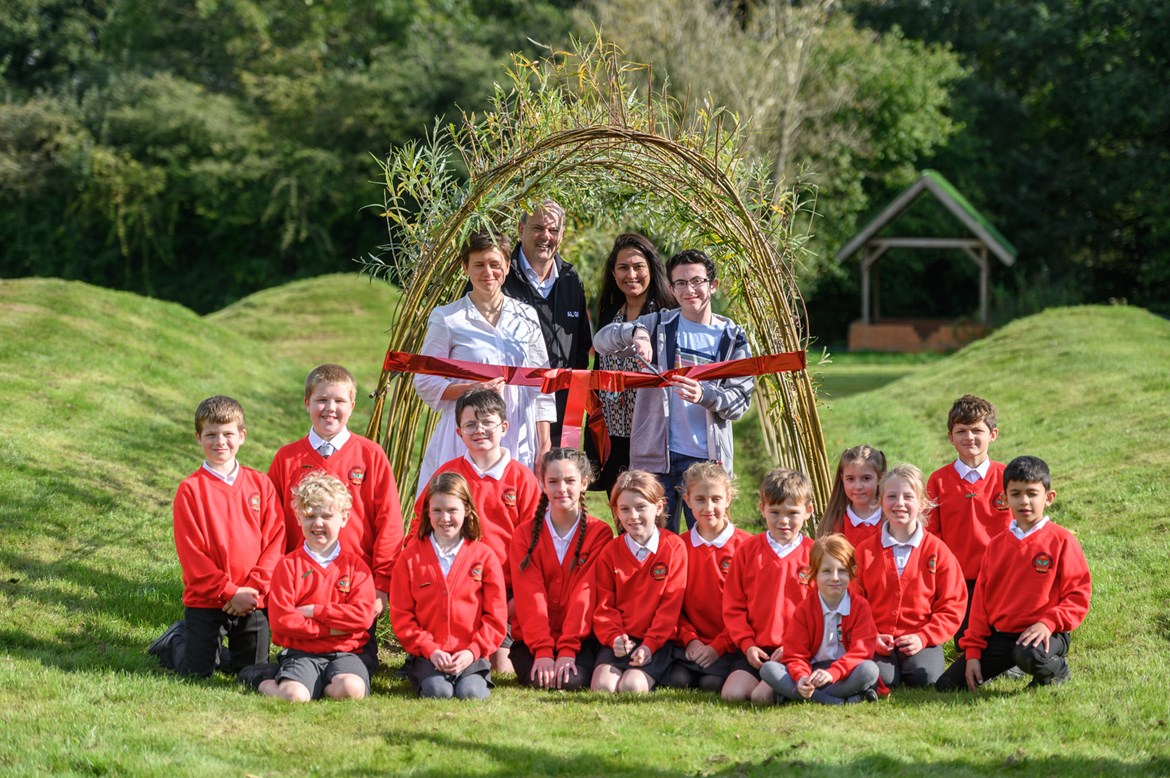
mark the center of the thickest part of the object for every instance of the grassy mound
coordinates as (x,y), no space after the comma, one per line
(99,389)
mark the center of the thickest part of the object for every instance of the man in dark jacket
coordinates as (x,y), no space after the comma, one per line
(540,278)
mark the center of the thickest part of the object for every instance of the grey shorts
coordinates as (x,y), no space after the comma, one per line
(316,671)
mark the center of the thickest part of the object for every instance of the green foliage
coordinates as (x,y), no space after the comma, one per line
(201,150)
(100,388)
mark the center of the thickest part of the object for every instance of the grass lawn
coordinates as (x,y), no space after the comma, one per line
(99,390)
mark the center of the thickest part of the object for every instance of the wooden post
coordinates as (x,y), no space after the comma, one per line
(865,253)
(984,272)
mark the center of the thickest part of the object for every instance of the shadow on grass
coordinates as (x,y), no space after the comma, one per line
(513,760)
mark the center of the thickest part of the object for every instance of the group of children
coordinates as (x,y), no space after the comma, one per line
(505,571)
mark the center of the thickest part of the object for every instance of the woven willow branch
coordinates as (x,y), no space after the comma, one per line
(575,127)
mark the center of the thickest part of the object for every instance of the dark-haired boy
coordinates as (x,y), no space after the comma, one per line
(691,421)
(229,535)
(968,493)
(1033,590)
(374,529)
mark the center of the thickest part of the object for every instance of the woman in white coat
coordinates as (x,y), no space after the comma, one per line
(486,326)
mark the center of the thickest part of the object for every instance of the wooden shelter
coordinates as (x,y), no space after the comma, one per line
(874,333)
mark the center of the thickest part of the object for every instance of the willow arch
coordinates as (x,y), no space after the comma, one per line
(586,128)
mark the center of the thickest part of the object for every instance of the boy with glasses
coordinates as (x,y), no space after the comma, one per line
(690,421)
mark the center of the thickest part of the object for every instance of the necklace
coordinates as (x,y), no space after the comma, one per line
(489,312)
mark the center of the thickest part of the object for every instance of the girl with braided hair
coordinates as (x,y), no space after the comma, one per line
(552,557)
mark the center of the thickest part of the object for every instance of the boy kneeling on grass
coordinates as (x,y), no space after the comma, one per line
(321,604)
(1033,589)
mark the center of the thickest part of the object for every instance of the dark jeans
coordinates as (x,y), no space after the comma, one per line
(1003,653)
(196,651)
(922,669)
(966,616)
(672,481)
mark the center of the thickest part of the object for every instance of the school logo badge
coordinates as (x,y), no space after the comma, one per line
(1001,503)
(343,584)
(581,560)
(658,572)
(932,563)
(510,498)
(1042,563)
(357,475)
(254,501)
(803,575)
(844,636)
(725,565)
(477,573)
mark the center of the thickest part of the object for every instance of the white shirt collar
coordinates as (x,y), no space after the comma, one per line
(651,546)
(324,559)
(785,549)
(698,540)
(1015,528)
(842,608)
(560,544)
(545,286)
(228,479)
(868,521)
(496,471)
(965,472)
(446,558)
(888,540)
(338,441)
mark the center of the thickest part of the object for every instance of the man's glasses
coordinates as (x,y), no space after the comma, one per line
(473,427)
(695,284)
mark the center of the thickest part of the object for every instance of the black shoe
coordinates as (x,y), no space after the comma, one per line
(1016,673)
(253,675)
(165,639)
(1061,677)
(870,694)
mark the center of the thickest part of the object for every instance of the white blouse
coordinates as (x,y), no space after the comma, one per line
(459,331)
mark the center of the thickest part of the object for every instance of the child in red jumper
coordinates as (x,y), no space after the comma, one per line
(322,602)
(831,638)
(853,509)
(374,529)
(705,654)
(447,601)
(767,582)
(968,492)
(913,584)
(1033,590)
(641,577)
(229,534)
(552,559)
(505,491)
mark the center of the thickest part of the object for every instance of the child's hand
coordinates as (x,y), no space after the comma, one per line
(306,610)
(687,388)
(909,644)
(382,604)
(777,655)
(441,660)
(544,673)
(885,644)
(805,686)
(640,656)
(460,660)
(565,668)
(242,602)
(701,654)
(755,656)
(622,645)
(974,675)
(820,678)
(1035,635)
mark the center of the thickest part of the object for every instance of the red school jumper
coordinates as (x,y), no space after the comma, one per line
(640,599)
(929,599)
(544,590)
(466,609)
(806,632)
(859,534)
(1042,578)
(502,505)
(702,612)
(969,514)
(227,536)
(342,595)
(763,591)
(374,529)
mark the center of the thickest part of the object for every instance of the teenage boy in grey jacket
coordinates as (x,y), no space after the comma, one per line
(690,421)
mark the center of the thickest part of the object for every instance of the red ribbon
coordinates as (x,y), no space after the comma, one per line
(580,382)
